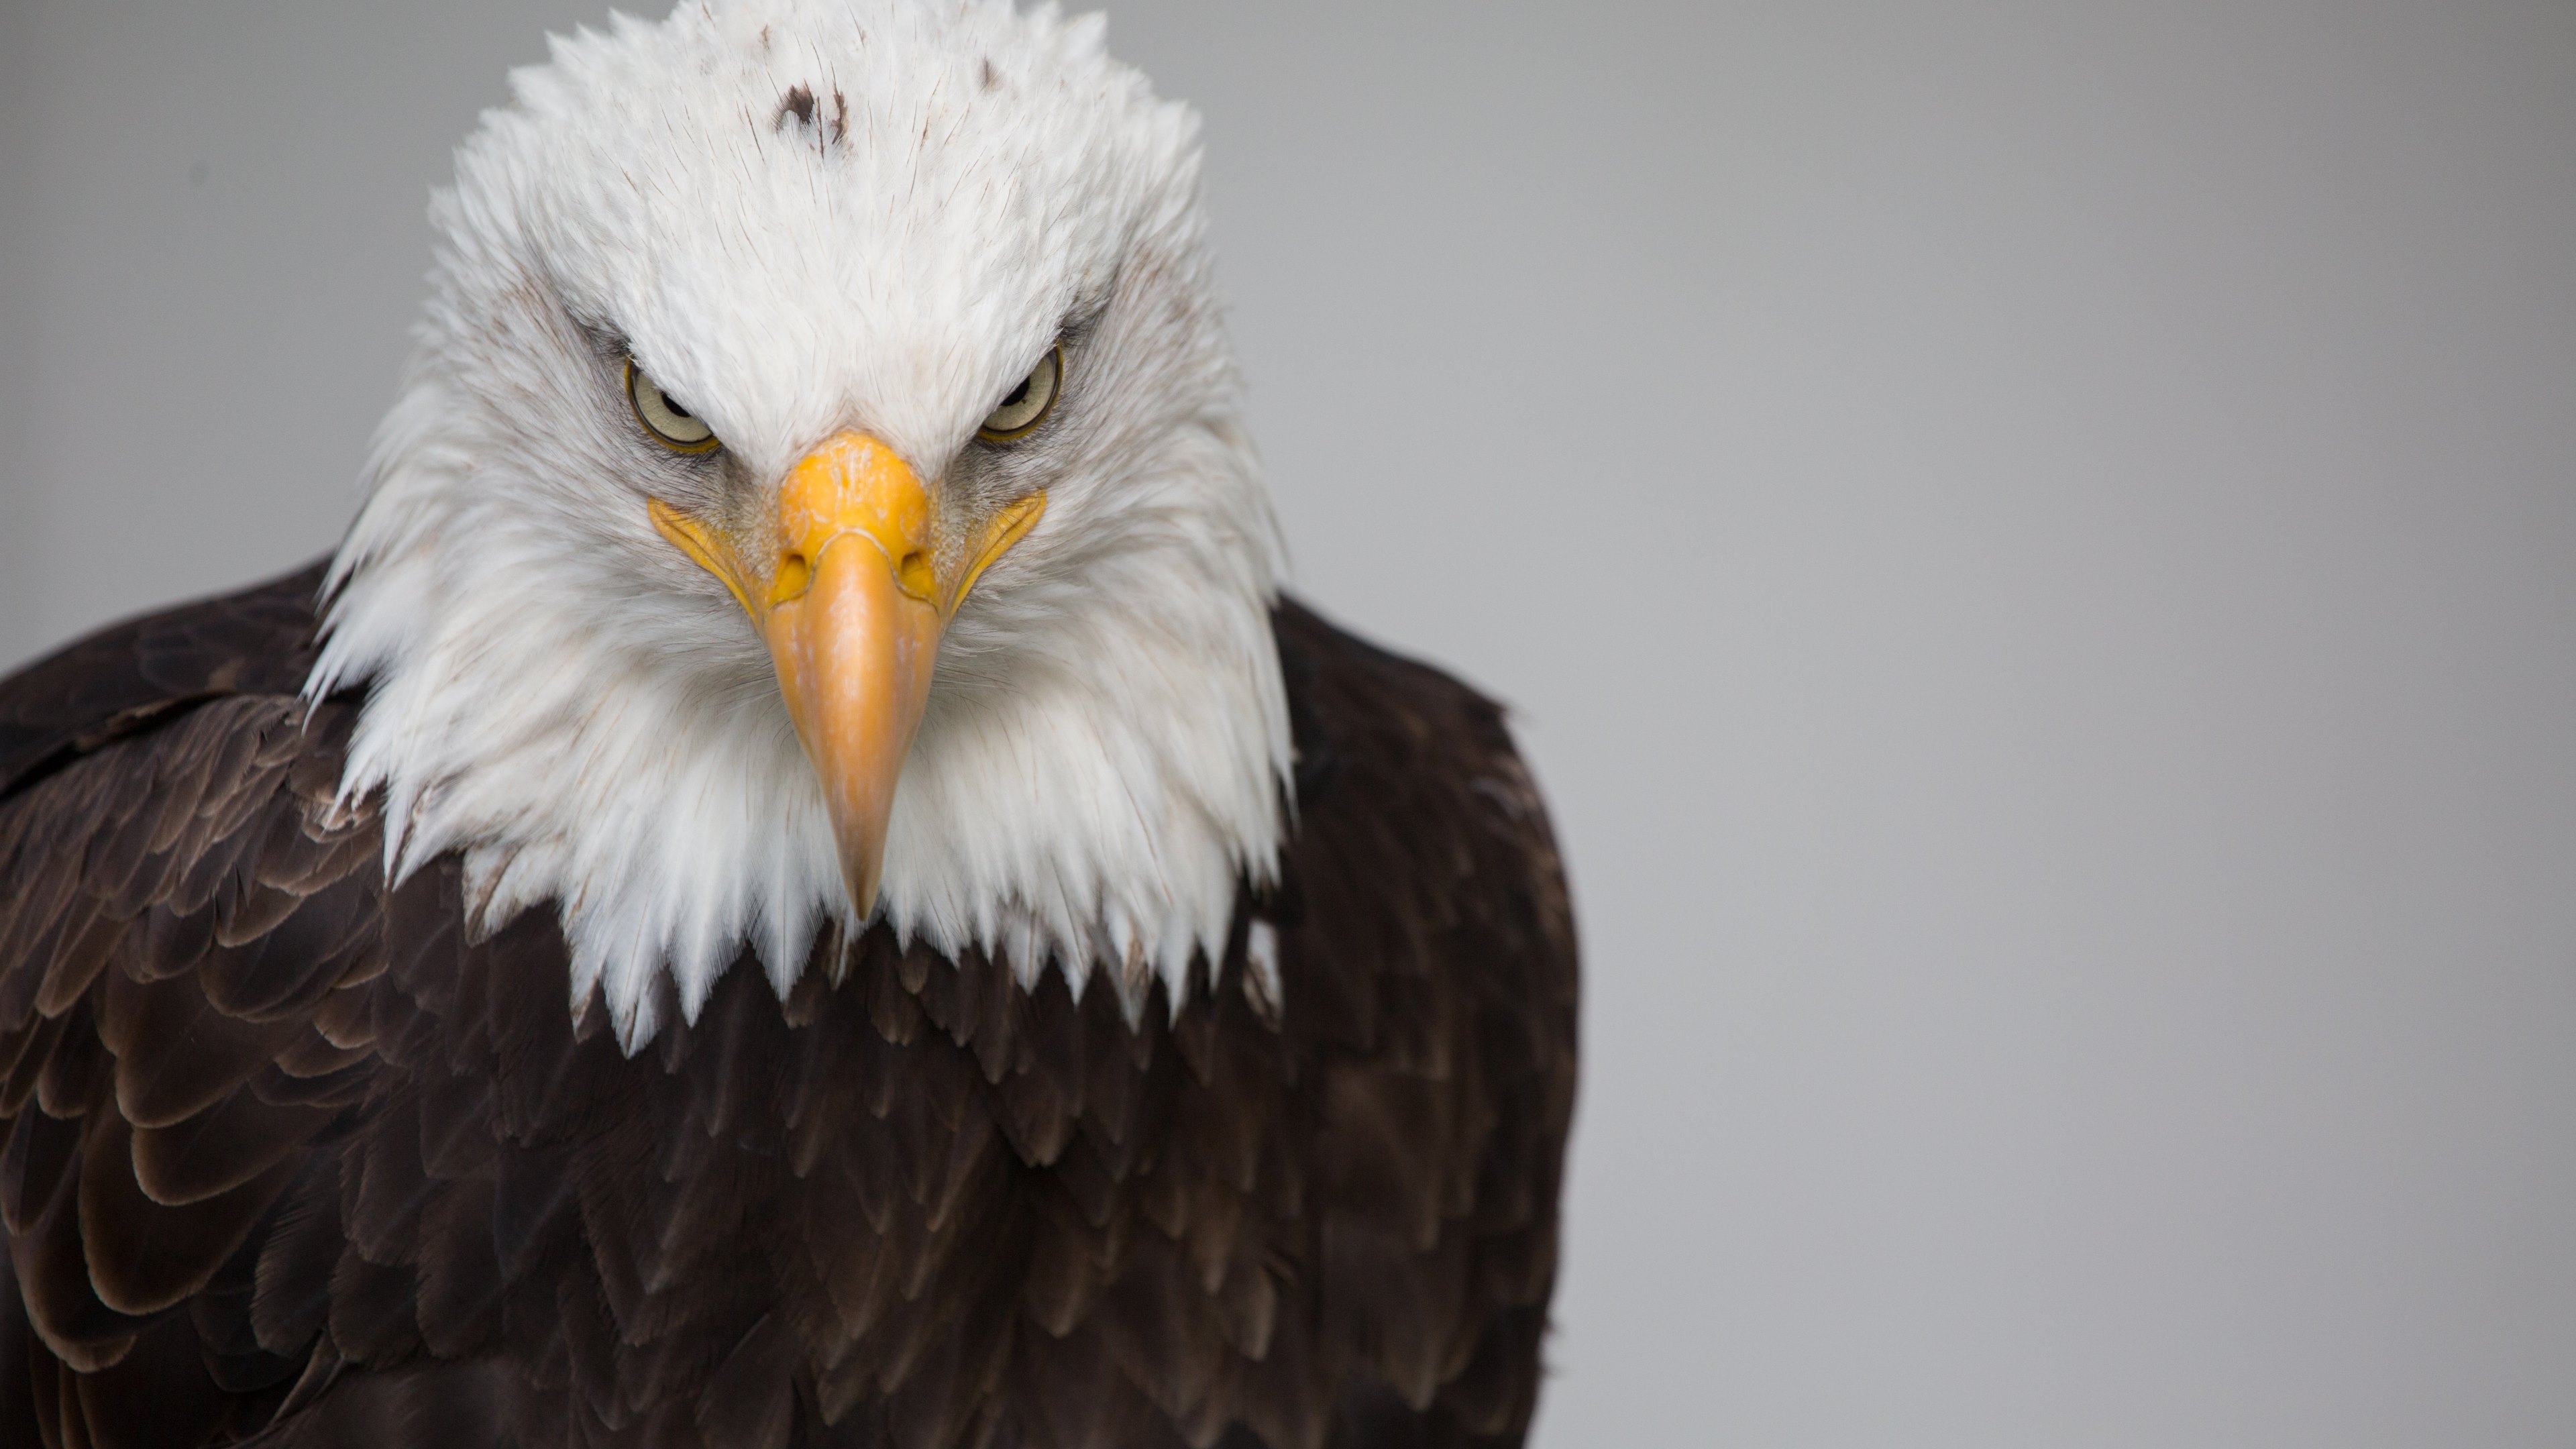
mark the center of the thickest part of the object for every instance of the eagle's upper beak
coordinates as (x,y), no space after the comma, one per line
(852,596)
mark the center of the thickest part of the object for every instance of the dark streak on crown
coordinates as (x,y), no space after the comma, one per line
(799,102)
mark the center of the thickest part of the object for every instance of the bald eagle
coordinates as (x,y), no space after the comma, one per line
(794,880)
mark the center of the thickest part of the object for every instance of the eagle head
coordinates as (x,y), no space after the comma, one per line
(819,494)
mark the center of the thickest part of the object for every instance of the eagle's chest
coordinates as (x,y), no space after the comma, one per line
(921,1192)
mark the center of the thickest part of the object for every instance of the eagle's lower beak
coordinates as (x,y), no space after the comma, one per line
(852,610)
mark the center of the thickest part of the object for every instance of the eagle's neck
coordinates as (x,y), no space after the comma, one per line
(1099,772)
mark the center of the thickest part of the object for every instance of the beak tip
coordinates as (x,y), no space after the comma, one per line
(862,884)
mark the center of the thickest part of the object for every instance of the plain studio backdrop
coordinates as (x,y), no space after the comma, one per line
(2033,546)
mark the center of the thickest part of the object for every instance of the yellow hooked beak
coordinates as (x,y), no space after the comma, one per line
(852,600)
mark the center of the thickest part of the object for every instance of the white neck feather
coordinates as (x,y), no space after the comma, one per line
(1098,806)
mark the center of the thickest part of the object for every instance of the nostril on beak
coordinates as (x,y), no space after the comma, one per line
(795,573)
(915,574)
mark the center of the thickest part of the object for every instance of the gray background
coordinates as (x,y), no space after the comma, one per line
(2034,546)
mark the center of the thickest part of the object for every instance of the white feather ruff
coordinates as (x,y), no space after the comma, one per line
(584,714)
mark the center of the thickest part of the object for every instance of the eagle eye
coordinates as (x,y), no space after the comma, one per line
(1028,404)
(672,426)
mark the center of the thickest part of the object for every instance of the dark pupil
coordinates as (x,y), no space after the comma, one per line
(1019,394)
(677,411)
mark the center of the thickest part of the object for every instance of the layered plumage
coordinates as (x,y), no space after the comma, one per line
(430,1007)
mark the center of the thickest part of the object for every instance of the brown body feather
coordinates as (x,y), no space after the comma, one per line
(291,1160)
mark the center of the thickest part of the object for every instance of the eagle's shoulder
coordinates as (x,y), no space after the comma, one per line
(130,675)
(184,905)
(1405,777)
(1429,977)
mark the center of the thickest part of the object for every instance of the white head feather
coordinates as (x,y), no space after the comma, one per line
(803,216)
